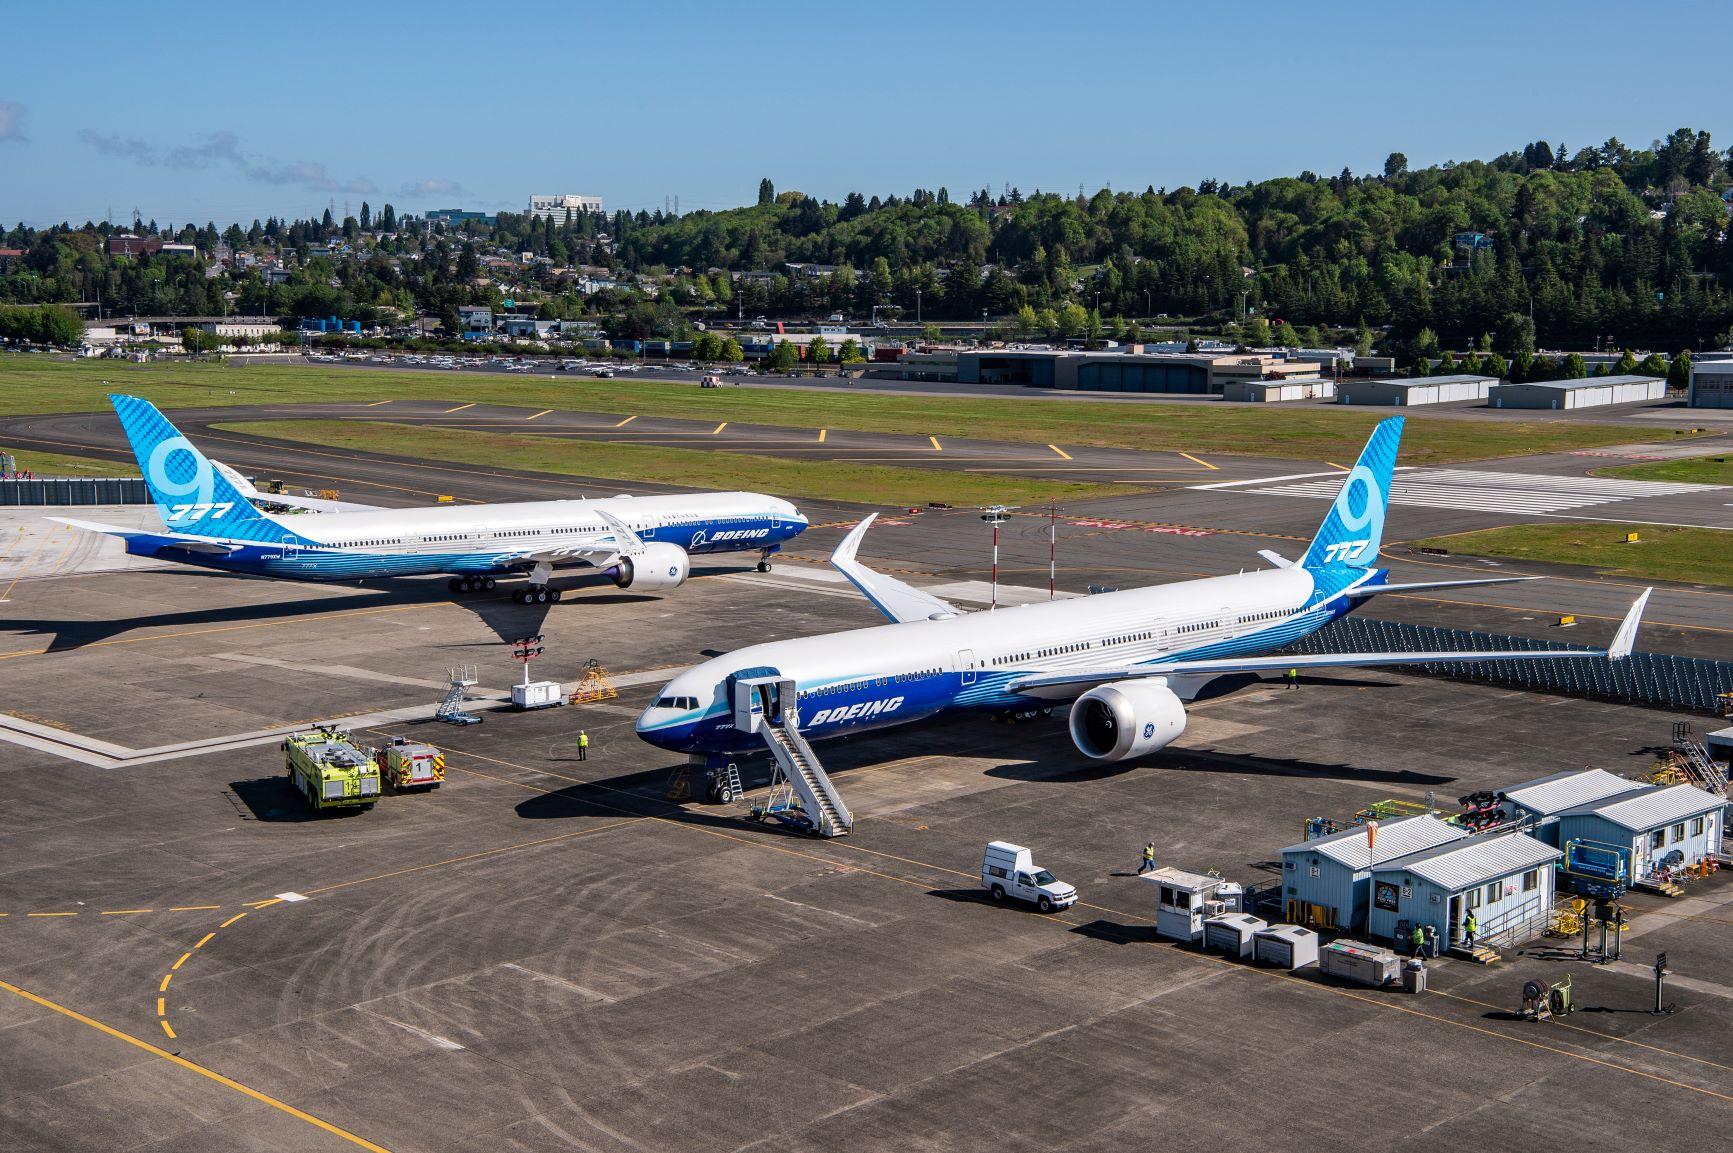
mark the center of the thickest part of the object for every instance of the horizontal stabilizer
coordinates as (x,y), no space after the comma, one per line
(1275,558)
(287,500)
(1421,586)
(899,602)
(178,540)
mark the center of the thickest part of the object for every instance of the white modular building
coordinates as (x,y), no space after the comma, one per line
(1588,392)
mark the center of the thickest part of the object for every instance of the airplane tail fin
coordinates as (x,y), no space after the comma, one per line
(1353,531)
(194,497)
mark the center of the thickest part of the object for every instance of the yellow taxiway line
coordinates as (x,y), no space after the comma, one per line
(936,446)
(1195,460)
(625,422)
(1062,453)
(461,407)
(539,415)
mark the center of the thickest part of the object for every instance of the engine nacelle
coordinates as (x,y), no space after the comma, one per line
(1128,719)
(659,566)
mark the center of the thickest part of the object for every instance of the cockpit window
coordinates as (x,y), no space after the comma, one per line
(677,702)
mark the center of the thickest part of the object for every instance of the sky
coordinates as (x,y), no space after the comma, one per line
(202,112)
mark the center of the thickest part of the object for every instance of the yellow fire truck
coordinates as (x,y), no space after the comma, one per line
(408,764)
(330,771)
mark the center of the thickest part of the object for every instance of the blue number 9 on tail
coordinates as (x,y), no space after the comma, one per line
(1353,531)
(193,497)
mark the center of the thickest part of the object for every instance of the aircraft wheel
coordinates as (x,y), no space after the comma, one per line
(763,566)
(488,583)
(554,595)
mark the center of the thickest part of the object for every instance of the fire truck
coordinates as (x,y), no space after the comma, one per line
(328,769)
(408,764)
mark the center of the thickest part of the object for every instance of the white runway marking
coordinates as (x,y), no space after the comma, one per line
(1506,492)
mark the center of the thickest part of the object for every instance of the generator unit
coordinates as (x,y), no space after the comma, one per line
(326,768)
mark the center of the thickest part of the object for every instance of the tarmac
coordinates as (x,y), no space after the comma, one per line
(548,953)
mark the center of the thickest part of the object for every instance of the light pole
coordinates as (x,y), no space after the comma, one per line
(995,516)
(1052,548)
(917,306)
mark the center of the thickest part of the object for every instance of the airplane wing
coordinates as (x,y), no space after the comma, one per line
(1623,641)
(309,503)
(178,540)
(600,552)
(898,601)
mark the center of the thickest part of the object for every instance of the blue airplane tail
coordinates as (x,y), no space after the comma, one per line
(194,498)
(1353,532)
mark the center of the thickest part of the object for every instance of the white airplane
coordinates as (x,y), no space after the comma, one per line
(639,542)
(1128,660)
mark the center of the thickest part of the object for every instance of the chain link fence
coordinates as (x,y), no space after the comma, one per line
(1659,679)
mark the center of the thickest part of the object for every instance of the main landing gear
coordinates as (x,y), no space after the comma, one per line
(471,584)
(536,595)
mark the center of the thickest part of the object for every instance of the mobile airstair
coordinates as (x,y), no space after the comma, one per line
(800,789)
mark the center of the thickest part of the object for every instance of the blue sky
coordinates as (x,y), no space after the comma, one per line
(191,111)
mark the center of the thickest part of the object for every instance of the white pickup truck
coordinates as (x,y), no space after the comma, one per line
(1009,870)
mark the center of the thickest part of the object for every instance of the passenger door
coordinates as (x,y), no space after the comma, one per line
(966,665)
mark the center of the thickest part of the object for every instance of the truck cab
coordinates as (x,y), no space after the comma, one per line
(1009,870)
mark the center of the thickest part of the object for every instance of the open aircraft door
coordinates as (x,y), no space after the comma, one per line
(758,701)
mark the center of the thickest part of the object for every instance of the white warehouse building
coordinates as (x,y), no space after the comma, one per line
(1404,392)
(1588,392)
(557,206)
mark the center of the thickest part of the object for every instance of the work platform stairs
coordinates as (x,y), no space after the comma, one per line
(1527,920)
(798,771)
(1692,756)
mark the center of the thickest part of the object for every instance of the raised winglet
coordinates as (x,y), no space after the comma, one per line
(899,601)
(1626,637)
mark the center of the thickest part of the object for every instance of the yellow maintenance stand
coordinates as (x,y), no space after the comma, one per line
(325,767)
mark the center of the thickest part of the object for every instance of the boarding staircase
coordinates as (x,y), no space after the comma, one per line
(453,709)
(1692,757)
(800,775)
(1512,927)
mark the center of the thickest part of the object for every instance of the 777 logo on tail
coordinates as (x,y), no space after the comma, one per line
(1346,550)
(188,512)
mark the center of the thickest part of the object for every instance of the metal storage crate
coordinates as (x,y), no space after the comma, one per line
(1231,933)
(1287,946)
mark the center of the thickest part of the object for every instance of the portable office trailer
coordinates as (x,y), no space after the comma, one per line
(1587,392)
(1286,946)
(1506,880)
(1361,963)
(1662,826)
(1327,882)
(1539,802)
(1405,392)
(1232,933)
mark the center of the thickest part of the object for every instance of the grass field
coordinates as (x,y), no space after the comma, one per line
(37,384)
(1690,470)
(692,468)
(57,464)
(1692,555)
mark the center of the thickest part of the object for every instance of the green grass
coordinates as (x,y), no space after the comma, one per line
(1692,555)
(1689,470)
(694,468)
(36,384)
(58,464)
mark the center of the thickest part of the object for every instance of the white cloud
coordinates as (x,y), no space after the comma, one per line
(435,187)
(223,149)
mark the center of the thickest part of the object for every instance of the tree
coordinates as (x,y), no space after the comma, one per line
(818,350)
(366,217)
(1395,165)
(388,219)
(731,352)
(1363,339)
(1654,365)
(1028,324)
(198,341)
(1073,320)
(1679,372)
(931,332)
(1572,368)
(766,192)
(783,356)
(850,352)
(1516,335)
(1284,335)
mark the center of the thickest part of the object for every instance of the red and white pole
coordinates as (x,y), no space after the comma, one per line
(995,603)
(1052,549)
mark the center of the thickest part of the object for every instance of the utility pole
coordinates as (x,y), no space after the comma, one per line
(917,306)
(995,516)
(1052,548)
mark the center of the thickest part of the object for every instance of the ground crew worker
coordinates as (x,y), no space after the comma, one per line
(1470,927)
(1419,938)
(1293,678)
(1148,859)
(583,745)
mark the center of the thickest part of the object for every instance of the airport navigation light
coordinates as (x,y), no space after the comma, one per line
(995,516)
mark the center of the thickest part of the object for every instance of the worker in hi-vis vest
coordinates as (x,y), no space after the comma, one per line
(583,745)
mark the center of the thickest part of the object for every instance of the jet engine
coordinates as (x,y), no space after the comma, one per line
(659,566)
(1127,719)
